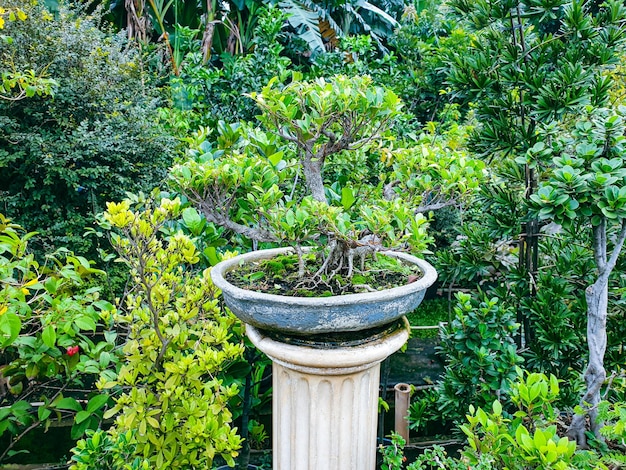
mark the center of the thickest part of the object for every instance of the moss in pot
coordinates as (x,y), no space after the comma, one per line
(327,178)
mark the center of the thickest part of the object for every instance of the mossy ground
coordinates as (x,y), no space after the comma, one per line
(430,313)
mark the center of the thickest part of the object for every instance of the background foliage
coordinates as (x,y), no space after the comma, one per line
(62,158)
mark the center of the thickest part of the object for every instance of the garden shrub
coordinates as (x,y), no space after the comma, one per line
(55,335)
(529,437)
(100,451)
(480,355)
(475,257)
(523,433)
(18,83)
(178,344)
(61,158)
(530,71)
(557,314)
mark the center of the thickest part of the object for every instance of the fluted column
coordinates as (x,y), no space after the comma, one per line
(325,401)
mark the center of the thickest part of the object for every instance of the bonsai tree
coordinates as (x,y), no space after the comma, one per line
(329,173)
(585,190)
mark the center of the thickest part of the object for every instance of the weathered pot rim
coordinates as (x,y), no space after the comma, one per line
(219,271)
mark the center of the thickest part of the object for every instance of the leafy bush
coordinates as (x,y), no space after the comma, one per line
(16,83)
(54,336)
(62,158)
(421,48)
(177,346)
(557,314)
(527,440)
(480,352)
(523,435)
(475,258)
(99,451)
(531,63)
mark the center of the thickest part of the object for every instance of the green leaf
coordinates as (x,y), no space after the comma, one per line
(257,276)
(67,403)
(49,336)
(305,22)
(347,197)
(85,323)
(290,218)
(193,220)
(276,158)
(81,416)
(10,327)
(78,429)
(43,413)
(97,402)
(539,439)
(374,9)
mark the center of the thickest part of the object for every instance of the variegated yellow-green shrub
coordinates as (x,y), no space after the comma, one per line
(178,342)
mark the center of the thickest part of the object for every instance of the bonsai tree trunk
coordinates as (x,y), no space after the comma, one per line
(597,296)
(312,168)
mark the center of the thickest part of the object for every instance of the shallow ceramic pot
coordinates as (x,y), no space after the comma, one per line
(226,467)
(313,315)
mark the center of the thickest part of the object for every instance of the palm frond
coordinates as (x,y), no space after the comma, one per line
(324,14)
(305,22)
(377,11)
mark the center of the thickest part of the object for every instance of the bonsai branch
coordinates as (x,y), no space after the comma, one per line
(435,201)
(435,206)
(215,210)
(341,254)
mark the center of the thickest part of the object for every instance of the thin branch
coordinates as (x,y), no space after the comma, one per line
(18,438)
(31,427)
(610,264)
(433,207)
(252,233)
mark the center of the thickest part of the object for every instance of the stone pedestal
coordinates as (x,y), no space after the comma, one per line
(325,400)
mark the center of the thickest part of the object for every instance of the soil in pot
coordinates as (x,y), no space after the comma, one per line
(280,276)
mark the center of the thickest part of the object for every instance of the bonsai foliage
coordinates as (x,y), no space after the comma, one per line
(54,338)
(177,345)
(329,174)
(585,189)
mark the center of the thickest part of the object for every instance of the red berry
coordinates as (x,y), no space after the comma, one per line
(72,350)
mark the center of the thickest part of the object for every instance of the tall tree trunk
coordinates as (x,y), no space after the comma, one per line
(209,31)
(597,296)
(136,27)
(595,374)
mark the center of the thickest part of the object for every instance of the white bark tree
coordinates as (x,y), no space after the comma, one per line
(586,187)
